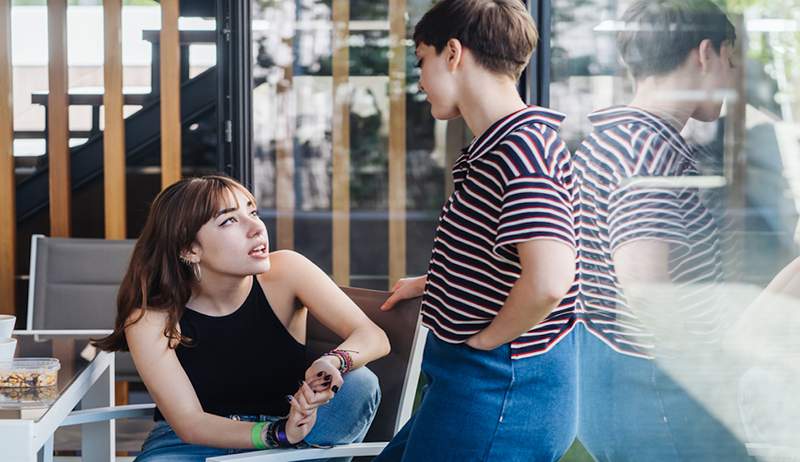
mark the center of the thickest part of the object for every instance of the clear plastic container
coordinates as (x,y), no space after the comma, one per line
(29,373)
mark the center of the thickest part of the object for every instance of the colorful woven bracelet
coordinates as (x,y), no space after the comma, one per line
(346,361)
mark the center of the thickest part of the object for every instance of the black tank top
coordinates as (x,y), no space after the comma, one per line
(243,363)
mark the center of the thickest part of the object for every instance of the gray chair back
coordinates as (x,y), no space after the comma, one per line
(74,284)
(397,372)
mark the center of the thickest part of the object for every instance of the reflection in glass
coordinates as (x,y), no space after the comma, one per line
(707,207)
(295,137)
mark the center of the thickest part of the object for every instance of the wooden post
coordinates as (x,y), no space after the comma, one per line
(8,216)
(114,132)
(397,140)
(341,142)
(58,121)
(170,93)
(284,160)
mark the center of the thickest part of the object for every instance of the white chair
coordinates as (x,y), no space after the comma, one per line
(72,290)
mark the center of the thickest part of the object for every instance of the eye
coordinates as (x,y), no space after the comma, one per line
(254,212)
(229,220)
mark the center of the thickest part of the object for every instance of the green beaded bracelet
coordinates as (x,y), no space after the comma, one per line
(255,436)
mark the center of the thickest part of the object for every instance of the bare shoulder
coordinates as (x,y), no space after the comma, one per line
(286,264)
(145,325)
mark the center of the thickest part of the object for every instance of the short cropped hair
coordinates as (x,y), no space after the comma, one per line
(658,35)
(499,33)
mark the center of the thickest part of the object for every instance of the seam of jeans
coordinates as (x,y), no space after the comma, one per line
(668,424)
(503,407)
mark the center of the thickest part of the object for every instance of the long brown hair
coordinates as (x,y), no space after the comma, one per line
(157,279)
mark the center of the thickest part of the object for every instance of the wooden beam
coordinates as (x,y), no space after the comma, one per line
(284,160)
(114,132)
(58,121)
(8,216)
(341,142)
(735,155)
(121,392)
(170,93)
(397,140)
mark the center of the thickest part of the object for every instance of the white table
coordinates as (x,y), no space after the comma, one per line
(88,381)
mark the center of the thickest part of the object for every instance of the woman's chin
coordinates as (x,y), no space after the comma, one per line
(264,266)
(444,113)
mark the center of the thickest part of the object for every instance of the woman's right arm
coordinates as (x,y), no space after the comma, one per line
(173,393)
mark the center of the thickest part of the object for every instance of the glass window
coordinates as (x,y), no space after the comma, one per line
(687,147)
(329,121)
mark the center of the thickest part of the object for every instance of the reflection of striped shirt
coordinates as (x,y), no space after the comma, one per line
(632,173)
(513,184)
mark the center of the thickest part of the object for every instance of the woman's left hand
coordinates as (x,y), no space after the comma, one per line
(323,374)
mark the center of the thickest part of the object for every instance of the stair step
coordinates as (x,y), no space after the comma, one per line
(186,37)
(93,96)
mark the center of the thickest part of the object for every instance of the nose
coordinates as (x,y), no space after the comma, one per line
(257,227)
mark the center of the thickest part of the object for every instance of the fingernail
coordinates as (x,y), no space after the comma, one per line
(319,374)
(335,388)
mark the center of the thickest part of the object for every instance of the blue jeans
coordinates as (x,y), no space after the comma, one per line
(482,406)
(630,410)
(344,420)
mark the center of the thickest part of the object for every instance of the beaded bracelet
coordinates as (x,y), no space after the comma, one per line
(273,436)
(269,436)
(345,360)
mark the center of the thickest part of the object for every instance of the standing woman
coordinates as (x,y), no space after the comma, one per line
(216,325)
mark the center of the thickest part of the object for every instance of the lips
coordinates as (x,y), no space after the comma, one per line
(258,250)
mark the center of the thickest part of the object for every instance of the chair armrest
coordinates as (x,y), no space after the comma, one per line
(287,455)
(63,332)
(102,414)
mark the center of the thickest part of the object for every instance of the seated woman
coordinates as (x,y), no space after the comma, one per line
(216,325)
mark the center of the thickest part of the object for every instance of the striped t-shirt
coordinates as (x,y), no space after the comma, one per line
(512,184)
(635,176)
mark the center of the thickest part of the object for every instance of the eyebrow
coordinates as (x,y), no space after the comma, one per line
(232,209)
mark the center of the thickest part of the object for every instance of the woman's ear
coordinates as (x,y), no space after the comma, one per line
(455,53)
(192,254)
(706,55)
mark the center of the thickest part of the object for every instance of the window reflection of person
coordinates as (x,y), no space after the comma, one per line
(649,244)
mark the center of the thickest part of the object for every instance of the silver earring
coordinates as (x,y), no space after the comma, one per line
(195,267)
(196,271)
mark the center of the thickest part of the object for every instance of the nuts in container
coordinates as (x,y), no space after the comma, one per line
(29,372)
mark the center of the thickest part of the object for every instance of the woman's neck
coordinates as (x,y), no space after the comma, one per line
(218,295)
(487,100)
